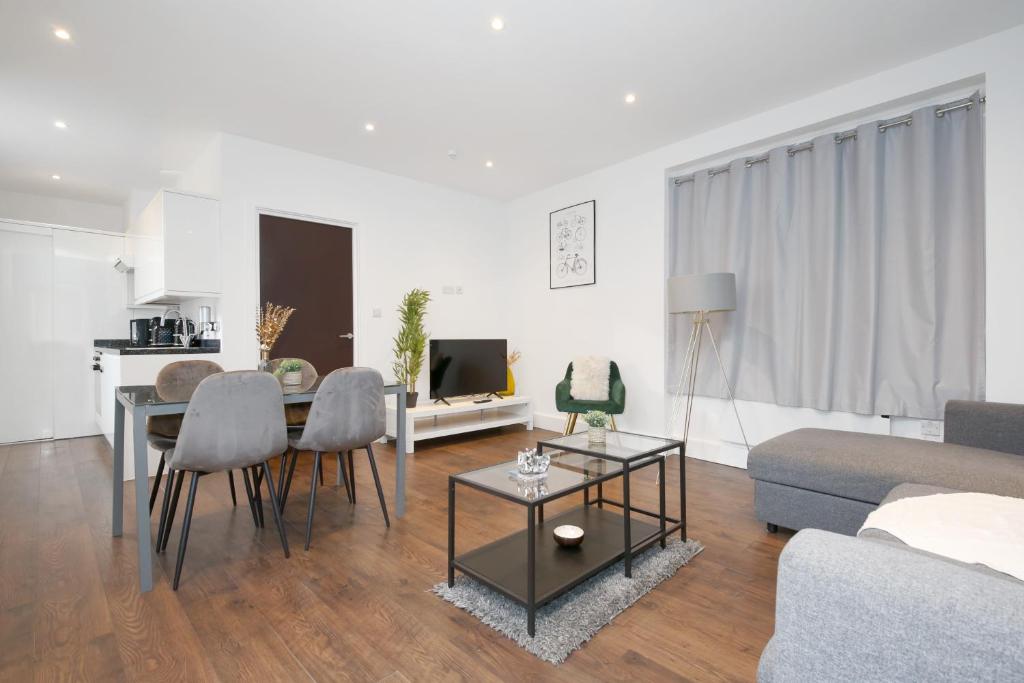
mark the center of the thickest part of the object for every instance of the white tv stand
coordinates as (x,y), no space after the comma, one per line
(463,415)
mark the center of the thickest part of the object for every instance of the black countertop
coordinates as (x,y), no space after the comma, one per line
(123,347)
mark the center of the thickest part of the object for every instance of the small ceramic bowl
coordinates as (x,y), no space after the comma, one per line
(568,535)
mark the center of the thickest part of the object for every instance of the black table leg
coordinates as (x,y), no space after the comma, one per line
(661,497)
(682,491)
(586,496)
(531,569)
(451,532)
(627,539)
(600,495)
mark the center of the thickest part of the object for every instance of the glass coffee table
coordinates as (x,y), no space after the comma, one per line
(529,566)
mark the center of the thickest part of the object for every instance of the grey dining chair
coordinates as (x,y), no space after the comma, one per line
(347,414)
(176,382)
(234,420)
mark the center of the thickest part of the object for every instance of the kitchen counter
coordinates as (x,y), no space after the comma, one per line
(123,347)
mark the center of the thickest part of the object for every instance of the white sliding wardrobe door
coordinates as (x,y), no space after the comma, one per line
(89,304)
(26,332)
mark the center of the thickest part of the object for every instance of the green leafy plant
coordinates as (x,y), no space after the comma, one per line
(597,418)
(411,341)
(291,365)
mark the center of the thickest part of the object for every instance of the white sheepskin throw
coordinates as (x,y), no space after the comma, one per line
(590,378)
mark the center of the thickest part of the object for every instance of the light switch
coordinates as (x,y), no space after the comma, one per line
(458,289)
(447,289)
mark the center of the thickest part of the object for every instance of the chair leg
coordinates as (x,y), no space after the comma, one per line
(281,472)
(568,421)
(288,482)
(344,475)
(185,525)
(570,424)
(231,483)
(376,481)
(614,428)
(179,480)
(274,506)
(164,507)
(257,484)
(250,497)
(312,499)
(352,476)
(156,483)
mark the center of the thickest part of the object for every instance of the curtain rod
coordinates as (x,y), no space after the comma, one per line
(839,138)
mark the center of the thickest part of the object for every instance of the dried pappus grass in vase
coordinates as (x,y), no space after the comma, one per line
(270,324)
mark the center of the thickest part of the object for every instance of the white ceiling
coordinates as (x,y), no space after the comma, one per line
(143,83)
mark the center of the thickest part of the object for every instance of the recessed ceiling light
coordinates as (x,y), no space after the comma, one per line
(55,176)
(497,23)
(61,124)
(62,33)
(630,98)
(489,164)
(370,127)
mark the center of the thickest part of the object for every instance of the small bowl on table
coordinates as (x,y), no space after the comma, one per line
(568,536)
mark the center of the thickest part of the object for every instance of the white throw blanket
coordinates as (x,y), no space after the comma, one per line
(589,381)
(976,528)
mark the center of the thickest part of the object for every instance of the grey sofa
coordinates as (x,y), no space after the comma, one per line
(831,480)
(872,609)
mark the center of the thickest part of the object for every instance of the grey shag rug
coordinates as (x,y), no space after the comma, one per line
(567,622)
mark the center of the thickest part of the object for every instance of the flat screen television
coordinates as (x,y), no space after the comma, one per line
(460,367)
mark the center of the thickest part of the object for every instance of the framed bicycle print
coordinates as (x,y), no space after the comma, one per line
(572,236)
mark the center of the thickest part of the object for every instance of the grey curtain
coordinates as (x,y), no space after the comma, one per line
(859,269)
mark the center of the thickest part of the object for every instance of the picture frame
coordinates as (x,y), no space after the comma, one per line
(572,242)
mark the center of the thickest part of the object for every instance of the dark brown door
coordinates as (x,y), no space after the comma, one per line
(308,266)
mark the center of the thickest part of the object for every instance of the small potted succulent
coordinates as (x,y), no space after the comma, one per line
(290,371)
(597,421)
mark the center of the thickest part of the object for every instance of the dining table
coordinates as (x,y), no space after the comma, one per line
(143,401)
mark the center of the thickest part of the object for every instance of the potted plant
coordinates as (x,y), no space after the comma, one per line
(597,421)
(411,342)
(290,371)
(270,322)
(510,379)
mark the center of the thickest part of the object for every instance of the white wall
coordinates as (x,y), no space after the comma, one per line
(622,315)
(59,211)
(409,234)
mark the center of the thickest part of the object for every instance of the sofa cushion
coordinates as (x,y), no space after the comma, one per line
(867,467)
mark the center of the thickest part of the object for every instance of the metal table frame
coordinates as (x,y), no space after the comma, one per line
(140,447)
(630,547)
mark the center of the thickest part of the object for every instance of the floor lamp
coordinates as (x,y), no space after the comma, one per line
(699,295)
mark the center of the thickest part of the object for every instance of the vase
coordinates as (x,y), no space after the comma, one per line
(596,435)
(410,398)
(510,384)
(264,365)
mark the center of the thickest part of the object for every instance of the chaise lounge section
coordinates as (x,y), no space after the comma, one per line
(827,479)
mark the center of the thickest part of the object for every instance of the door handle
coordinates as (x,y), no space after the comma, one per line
(346,336)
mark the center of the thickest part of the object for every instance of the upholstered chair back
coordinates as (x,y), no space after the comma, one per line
(176,382)
(347,412)
(235,419)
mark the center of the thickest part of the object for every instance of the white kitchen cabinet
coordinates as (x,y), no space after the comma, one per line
(88,304)
(26,332)
(175,249)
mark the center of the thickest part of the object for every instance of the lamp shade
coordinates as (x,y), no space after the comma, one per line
(702,292)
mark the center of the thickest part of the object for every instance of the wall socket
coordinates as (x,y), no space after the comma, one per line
(451,289)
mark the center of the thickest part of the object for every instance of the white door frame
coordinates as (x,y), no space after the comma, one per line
(295,215)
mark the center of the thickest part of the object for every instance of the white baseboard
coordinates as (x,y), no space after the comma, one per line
(721,452)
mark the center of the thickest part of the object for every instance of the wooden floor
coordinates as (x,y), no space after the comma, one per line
(357,606)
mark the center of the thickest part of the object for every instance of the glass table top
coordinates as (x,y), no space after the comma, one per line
(146,394)
(567,471)
(621,446)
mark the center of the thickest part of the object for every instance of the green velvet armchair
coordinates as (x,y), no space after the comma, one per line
(615,405)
